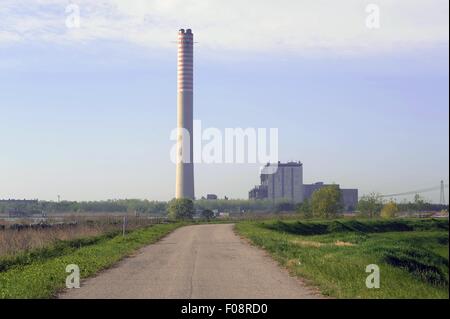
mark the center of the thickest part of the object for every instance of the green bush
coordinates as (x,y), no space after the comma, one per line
(326,202)
(181,208)
(370,205)
(389,210)
(207,214)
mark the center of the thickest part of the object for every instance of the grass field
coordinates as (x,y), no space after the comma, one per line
(29,235)
(41,273)
(412,254)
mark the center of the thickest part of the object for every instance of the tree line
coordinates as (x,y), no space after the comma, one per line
(108,206)
(324,203)
(133,206)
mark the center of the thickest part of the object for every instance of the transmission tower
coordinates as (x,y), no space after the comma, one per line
(442,197)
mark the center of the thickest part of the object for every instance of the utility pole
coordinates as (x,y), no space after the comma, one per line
(124,225)
(442,196)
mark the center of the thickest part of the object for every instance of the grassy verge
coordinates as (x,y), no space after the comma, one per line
(43,275)
(412,254)
(59,248)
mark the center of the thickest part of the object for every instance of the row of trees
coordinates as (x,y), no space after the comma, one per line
(142,206)
(109,206)
(324,203)
(373,205)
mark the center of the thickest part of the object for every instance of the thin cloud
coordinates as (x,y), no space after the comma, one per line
(306,27)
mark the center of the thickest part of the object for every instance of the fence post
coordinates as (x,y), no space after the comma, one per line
(124,225)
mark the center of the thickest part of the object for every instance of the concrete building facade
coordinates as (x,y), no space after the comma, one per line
(286,183)
(185,108)
(349,198)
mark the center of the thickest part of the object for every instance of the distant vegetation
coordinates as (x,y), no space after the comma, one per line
(333,254)
(135,206)
(370,205)
(109,206)
(239,205)
(323,202)
(207,214)
(373,205)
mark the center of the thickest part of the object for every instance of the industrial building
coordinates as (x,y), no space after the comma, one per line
(285,182)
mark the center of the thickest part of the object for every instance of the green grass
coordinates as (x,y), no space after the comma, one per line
(59,248)
(41,274)
(412,254)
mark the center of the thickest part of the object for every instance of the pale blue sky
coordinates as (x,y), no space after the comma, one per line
(88,116)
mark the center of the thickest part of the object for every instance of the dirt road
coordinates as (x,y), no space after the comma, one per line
(202,261)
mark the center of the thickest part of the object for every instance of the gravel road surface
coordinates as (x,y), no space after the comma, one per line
(194,262)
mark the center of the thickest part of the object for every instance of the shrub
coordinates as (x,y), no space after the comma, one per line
(370,205)
(326,202)
(389,210)
(181,208)
(207,214)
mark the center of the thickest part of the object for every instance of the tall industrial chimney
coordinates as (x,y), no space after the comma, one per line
(185,165)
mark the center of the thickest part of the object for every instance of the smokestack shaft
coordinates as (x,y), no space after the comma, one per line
(185,108)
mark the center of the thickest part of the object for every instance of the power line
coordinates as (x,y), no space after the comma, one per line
(424,190)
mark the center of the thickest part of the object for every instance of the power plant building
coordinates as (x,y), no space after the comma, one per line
(286,184)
